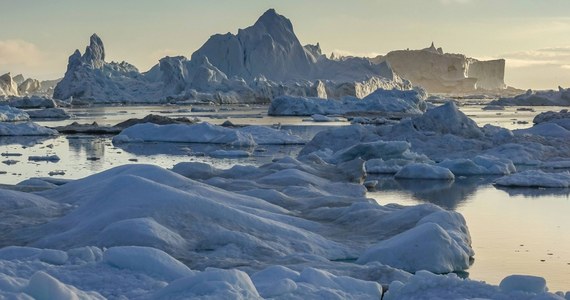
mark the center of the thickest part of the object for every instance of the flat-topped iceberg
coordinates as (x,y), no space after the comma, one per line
(207,133)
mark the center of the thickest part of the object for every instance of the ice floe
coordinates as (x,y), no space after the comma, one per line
(391,101)
(207,133)
(536,178)
(11,114)
(25,129)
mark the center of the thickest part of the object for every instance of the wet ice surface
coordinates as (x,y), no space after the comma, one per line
(522,233)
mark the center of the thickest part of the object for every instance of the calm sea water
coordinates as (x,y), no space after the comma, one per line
(515,231)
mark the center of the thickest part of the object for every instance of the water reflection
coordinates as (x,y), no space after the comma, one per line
(447,194)
(93,147)
(260,154)
(535,192)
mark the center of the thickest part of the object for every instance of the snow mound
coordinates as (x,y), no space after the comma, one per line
(131,192)
(523,283)
(392,101)
(424,247)
(11,114)
(146,260)
(25,129)
(537,179)
(211,284)
(424,171)
(207,133)
(43,286)
(281,282)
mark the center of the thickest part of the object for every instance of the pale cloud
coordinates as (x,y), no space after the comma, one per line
(19,52)
(555,56)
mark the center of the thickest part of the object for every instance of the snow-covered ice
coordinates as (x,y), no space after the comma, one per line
(11,114)
(424,171)
(207,133)
(25,129)
(536,178)
(391,101)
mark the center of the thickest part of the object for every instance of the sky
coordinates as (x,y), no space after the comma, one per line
(37,36)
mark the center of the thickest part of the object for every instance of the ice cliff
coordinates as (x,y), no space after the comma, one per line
(258,63)
(440,72)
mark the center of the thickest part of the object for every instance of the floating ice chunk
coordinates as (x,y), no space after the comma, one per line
(395,101)
(424,171)
(372,150)
(195,170)
(50,158)
(11,114)
(558,97)
(425,285)
(322,118)
(480,165)
(229,153)
(536,178)
(207,133)
(146,260)
(523,283)
(545,129)
(48,113)
(522,153)
(424,247)
(32,102)
(448,119)
(24,129)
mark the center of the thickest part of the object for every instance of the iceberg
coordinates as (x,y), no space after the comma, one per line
(387,101)
(11,114)
(259,63)
(561,97)
(440,72)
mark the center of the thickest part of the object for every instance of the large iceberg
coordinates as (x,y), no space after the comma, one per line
(261,62)
(440,72)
